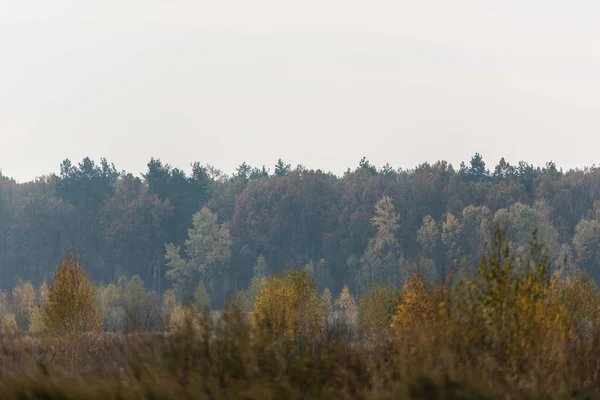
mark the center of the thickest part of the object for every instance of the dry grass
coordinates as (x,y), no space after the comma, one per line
(223,361)
(511,332)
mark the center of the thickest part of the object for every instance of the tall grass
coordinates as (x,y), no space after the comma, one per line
(512,330)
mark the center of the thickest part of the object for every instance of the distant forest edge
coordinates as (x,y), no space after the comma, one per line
(371,225)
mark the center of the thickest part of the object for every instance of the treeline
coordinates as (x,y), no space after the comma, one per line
(371,225)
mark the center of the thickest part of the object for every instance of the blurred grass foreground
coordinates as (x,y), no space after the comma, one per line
(515,328)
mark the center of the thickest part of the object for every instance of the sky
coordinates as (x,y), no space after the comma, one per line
(320,83)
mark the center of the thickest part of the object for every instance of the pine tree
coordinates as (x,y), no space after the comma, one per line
(282,169)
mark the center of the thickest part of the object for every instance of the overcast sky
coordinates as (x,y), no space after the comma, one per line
(316,82)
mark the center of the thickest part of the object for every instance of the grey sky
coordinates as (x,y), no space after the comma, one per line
(316,82)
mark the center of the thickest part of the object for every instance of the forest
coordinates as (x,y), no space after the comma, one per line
(428,283)
(177,229)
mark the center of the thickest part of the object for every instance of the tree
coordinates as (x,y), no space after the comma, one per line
(71,315)
(476,172)
(428,236)
(186,194)
(287,307)
(451,229)
(243,172)
(282,169)
(140,306)
(587,246)
(36,321)
(208,251)
(86,187)
(111,307)
(475,233)
(565,262)
(380,260)
(136,229)
(418,306)
(375,312)
(24,301)
(201,297)
(365,165)
(260,268)
(258,173)
(326,299)
(503,170)
(9,324)
(345,302)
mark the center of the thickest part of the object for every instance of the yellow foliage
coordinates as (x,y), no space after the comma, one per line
(9,324)
(169,301)
(109,299)
(582,300)
(24,301)
(346,302)
(418,306)
(36,323)
(180,316)
(289,306)
(511,309)
(72,317)
(44,293)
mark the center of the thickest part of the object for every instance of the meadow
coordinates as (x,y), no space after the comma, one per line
(513,329)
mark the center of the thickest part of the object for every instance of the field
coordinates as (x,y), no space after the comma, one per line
(513,329)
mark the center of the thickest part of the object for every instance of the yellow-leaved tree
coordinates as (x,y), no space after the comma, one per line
(345,303)
(72,320)
(9,324)
(24,301)
(417,308)
(289,306)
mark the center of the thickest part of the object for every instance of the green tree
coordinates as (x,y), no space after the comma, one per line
(451,230)
(380,260)
(476,231)
(587,246)
(428,236)
(140,306)
(201,298)
(282,169)
(208,249)
(375,312)
(111,307)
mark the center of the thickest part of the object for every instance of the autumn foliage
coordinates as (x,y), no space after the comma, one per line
(289,306)
(71,317)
